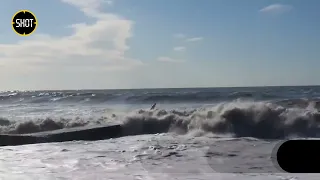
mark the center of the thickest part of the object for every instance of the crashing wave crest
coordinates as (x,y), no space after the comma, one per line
(240,119)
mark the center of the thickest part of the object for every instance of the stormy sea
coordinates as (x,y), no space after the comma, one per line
(192,133)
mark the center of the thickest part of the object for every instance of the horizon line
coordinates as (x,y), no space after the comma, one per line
(217,87)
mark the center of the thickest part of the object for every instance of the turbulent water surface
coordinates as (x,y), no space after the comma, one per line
(221,133)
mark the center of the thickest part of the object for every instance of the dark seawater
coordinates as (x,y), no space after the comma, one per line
(261,112)
(167,96)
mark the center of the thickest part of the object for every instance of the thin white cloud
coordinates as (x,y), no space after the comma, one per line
(179,36)
(179,48)
(276,8)
(194,39)
(100,45)
(169,60)
(187,39)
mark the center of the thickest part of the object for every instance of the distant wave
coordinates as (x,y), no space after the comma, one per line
(239,119)
(148,96)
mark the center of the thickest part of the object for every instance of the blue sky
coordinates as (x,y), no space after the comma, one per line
(88,44)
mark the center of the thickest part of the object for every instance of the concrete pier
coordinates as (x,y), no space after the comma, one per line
(62,135)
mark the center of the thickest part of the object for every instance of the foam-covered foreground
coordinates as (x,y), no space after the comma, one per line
(159,156)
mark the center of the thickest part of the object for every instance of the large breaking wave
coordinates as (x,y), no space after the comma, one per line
(239,119)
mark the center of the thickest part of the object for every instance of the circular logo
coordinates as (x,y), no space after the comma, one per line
(24,22)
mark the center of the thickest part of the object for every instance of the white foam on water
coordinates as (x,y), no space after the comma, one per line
(141,157)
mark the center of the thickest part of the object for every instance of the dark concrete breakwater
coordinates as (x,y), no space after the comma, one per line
(73,134)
